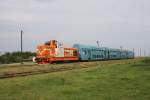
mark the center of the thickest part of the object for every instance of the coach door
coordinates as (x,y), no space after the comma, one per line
(89,54)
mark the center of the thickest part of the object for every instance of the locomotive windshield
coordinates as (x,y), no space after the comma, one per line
(47,43)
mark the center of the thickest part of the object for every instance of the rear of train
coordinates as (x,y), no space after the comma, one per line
(87,53)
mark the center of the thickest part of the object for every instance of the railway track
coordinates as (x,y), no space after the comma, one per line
(27,73)
(57,68)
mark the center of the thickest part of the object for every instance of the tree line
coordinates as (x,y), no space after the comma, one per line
(15,57)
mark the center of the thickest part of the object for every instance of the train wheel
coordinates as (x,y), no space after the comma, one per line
(50,62)
(42,62)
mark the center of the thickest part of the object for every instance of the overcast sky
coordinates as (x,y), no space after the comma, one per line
(113,22)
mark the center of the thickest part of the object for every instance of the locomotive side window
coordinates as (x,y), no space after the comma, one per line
(75,53)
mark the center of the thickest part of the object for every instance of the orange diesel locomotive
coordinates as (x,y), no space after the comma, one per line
(53,51)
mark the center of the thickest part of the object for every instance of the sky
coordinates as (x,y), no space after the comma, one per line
(114,23)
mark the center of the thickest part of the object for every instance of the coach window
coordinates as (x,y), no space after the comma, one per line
(99,56)
(84,52)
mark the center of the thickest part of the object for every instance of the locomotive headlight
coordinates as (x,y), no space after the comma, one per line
(44,49)
(37,49)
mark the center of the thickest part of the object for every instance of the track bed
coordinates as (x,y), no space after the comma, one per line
(16,70)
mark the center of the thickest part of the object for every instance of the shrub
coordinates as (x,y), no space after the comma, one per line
(15,57)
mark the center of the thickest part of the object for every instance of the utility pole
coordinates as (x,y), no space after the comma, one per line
(21,47)
(121,48)
(98,43)
(144,53)
(133,52)
(148,53)
(140,52)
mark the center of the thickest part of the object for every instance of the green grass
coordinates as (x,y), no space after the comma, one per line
(114,81)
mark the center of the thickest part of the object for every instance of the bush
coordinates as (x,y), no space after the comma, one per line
(146,60)
(15,57)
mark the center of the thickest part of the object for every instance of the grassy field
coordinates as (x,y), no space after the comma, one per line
(106,80)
